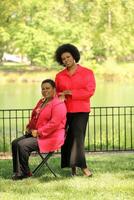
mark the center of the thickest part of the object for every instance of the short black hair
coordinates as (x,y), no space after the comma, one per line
(50,81)
(67,48)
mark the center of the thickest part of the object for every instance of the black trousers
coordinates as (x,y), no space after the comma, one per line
(21,150)
(72,152)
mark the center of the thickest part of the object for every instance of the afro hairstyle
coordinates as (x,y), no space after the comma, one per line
(67,48)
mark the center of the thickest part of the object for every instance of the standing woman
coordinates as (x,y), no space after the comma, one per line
(75,84)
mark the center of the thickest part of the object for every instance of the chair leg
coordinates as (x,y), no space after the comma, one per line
(50,169)
(44,159)
(38,168)
(44,162)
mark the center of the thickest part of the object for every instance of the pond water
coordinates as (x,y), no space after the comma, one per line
(25,95)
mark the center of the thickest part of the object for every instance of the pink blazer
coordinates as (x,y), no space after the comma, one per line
(51,125)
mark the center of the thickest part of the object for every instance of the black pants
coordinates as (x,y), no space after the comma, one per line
(21,150)
(72,152)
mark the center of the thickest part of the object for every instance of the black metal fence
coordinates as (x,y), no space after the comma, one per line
(108,129)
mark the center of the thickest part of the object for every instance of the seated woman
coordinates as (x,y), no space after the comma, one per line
(45,131)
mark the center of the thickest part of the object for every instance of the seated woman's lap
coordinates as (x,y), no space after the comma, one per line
(26,141)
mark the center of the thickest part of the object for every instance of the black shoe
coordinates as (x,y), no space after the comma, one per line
(73,171)
(15,177)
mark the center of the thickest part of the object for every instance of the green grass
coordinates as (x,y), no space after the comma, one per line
(113,179)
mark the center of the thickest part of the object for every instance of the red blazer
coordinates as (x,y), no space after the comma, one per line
(81,83)
(50,124)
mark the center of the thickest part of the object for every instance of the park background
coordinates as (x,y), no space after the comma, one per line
(103,31)
(31,30)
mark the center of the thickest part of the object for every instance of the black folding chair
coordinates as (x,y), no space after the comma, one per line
(45,157)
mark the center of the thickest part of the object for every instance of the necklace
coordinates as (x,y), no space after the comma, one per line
(45,102)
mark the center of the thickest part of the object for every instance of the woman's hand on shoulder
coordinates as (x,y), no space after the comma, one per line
(62,97)
(67,92)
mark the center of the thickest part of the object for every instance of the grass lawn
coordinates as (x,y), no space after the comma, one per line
(113,179)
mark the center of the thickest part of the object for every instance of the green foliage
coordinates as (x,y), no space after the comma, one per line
(7,11)
(100,28)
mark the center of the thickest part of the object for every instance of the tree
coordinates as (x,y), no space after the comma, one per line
(8,9)
(34,28)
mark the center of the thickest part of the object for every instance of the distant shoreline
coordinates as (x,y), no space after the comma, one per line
(28,77)
(110,72)
(25,77)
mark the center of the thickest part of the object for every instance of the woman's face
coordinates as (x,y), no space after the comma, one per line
(67,59)
(47,90)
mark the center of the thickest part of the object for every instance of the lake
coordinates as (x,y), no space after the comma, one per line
(25,95)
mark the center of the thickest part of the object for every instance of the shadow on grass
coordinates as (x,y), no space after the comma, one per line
(44,173)
(99,164)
